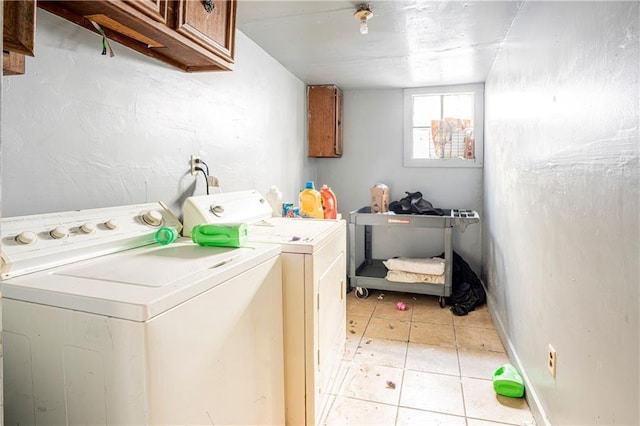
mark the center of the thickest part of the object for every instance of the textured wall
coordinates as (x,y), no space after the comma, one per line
(1,352)
(82,130)
(561,233)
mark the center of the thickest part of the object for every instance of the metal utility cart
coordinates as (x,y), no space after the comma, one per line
(370,274)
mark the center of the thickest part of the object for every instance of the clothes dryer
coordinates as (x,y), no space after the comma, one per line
(314,291)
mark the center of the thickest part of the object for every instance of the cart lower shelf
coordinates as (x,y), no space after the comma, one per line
(371,275)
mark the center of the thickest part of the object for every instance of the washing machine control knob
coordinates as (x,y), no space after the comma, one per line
(111,224)
(59,232)
(217,210)
(152,217)
(27,237)
(88,228)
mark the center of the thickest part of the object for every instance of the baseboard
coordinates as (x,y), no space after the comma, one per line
(530,393)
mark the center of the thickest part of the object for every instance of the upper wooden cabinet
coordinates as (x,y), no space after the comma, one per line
(19,34)
(19,26)
(325,121)
(154,9)
(214,30)
(193,35)
(12,63)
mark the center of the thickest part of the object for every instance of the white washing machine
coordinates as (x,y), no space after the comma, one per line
(314,287)
(103,326)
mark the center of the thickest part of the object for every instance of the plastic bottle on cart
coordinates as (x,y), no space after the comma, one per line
(274,198)
(329,202)
(310,202)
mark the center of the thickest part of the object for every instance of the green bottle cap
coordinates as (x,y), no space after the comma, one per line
(166,235)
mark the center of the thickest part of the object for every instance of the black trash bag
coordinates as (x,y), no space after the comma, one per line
(413,203)
(467,291)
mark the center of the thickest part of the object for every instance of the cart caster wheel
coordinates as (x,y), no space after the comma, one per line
(361,293)
(441,301)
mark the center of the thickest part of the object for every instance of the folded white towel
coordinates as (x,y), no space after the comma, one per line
(419,265)
(412,277)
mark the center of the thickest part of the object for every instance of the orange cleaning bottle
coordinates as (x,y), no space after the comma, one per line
(329,202)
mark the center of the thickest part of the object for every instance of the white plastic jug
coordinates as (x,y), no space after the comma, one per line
(274,198)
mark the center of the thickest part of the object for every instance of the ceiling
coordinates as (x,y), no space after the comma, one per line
(409,44)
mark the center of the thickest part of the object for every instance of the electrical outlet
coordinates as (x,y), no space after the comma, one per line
(552,361)
(194,163)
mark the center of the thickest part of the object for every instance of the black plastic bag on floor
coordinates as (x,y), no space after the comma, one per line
(467,291)
(413,203)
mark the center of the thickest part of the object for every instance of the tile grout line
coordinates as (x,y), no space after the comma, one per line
(455,339)
(404,365)
(395,421)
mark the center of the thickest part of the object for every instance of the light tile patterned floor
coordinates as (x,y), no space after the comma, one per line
(422,366)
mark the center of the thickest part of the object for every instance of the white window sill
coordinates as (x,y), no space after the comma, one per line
(442,162)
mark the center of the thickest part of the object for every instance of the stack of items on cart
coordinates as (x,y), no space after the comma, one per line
(415,270)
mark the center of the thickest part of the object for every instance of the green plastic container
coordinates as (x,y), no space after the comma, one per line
(508,382)
(220,235)
(166,235)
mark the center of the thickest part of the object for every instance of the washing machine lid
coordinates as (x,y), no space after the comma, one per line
(138,284)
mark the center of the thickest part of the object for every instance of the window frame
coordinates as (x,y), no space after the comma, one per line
(478,126)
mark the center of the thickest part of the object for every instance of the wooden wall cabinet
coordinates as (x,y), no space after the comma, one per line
(192,35)
(12,63)
(213,31)
(325,121)
(154,9)
(18,34)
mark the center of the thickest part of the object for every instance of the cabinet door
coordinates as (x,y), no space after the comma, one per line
(331,331)
(12,63)
(325,121)
(149,27)
(338,144)
(19,35)
(154,9)
(329,321)
(19,26)
(210,23)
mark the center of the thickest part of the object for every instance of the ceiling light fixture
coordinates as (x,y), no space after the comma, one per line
(363,14)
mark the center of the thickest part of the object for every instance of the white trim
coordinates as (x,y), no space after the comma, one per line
(531,394)
(478,126)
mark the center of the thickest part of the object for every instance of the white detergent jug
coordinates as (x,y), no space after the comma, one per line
(274,198)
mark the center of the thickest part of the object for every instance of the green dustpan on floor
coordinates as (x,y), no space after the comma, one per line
(508,382)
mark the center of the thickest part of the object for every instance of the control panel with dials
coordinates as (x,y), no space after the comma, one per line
(38,242)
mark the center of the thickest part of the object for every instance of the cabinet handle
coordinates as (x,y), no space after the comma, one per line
(208,5)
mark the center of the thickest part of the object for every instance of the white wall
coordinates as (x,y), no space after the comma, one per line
(373,134)
(82,130)
(1,334)
(561,229)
